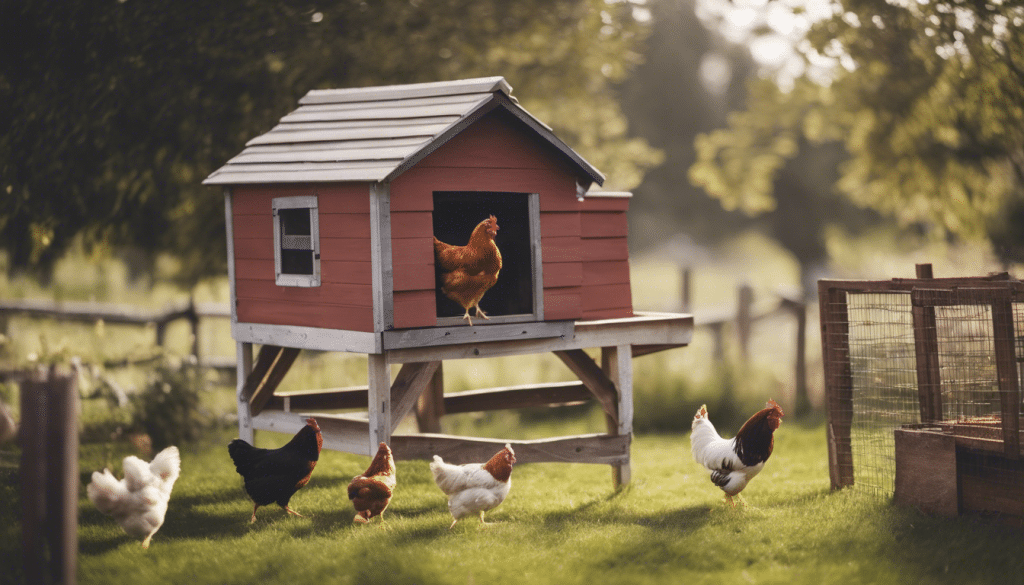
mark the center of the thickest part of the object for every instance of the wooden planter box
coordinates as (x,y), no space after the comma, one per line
(942,471)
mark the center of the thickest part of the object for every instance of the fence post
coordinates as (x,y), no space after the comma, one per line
(687,299)
(798,308)
(49,471)
(193,321)
(744,320)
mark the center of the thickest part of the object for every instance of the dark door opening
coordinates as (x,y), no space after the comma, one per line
(456,214)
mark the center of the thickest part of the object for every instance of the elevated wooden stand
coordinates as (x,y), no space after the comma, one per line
(418,389)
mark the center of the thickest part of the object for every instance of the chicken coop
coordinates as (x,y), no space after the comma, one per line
(331,221)
(922,390)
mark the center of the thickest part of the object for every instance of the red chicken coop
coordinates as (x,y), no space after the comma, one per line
(332,218)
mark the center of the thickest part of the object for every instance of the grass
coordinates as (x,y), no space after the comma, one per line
(562,523)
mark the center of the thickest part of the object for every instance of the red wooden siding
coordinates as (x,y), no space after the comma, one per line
(344,299)
(416,308)
(494,154)
(562,303)
(605,251)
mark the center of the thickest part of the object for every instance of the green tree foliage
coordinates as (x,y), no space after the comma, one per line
(672,98)
(927,99)
(111,113)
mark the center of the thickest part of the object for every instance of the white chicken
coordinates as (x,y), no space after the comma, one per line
(475,488)
(139,501)
(734,462)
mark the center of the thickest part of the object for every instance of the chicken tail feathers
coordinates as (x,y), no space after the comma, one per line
(436,466)
(167,465)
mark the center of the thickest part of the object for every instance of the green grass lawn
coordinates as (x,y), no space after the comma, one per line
(562,523)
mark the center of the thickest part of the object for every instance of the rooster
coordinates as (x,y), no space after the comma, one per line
(371,492)
(467,272)
(139,501)
(474,488)
(734,462)
(274,475)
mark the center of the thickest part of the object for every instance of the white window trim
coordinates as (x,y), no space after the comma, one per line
(297,202)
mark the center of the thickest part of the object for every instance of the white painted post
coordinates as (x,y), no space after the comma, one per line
(243,366)
(379,407)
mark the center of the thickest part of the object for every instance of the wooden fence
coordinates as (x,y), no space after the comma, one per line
(88,312)
(742,319)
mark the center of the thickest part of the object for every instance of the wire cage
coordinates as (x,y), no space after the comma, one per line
(922,387)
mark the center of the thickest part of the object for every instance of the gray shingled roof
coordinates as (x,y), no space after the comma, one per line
(374,133)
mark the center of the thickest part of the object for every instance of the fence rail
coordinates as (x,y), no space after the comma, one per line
(91,312)
(742,317)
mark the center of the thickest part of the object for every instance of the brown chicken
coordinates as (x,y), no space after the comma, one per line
(467,272)
(371,492)
(734,462)
(274,475)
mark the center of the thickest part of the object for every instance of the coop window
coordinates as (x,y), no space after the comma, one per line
(517,296)
(296,241)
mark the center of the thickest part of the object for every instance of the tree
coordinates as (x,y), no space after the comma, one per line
(927,100)
(112,113)
(671,99)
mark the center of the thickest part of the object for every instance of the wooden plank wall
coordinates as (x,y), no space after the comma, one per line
(344,298)
(584,248)
(494,154)
(606,285)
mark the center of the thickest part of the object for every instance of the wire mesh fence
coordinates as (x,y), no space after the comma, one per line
(884,380)
(939,356)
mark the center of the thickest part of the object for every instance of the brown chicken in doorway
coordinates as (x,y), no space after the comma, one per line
(467,272)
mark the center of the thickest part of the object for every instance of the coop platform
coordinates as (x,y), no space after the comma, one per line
(418,389)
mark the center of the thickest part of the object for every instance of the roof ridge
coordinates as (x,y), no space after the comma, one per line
(405,91)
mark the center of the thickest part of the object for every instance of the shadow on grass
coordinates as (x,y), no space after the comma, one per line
(601,510)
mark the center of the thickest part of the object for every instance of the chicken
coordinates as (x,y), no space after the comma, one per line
(467,272)
(734,462)
(371,492)
(475,488)
(274,475)
(139,501)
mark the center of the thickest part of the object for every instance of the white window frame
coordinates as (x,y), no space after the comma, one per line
(297,202)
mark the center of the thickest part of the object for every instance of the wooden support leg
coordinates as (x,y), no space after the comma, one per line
(243,367)
(617,363)
(430,407)
(409,385)
(379,398)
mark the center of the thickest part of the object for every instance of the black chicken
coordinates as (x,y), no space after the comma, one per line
(274,475)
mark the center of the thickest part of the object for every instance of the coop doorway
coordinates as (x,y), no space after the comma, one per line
(517,295)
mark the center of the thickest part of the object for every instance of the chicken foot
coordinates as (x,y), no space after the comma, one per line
(290,511)
(479,313)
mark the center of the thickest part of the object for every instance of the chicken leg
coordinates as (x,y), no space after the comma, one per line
(293,512)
